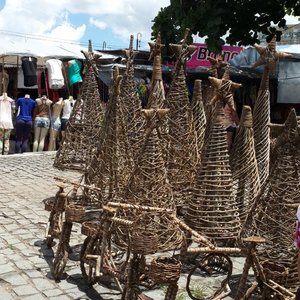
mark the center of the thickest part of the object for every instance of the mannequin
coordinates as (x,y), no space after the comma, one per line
(55,123)
(67,109)
(25,107)
(6,105)
(41,122)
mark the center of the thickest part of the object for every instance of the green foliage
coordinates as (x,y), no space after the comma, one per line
(239,20)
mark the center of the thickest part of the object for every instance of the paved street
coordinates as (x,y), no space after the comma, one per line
(25,260)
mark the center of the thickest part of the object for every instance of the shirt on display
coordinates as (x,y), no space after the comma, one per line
(55,75)
(67,109)
(29,66)
(6,104)
(74,67)
(4,79)
(25,108)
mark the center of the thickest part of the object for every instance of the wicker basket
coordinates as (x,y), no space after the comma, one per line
(49,204)
(90,228)
(75,213)
(275,272)
(144,243)
(165,270)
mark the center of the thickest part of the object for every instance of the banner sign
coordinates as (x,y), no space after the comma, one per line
(199,58)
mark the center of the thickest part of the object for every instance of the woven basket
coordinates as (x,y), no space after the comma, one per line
(49,204)
(75,213)
(90,228)
(275,272)
(165,270)
(144,243)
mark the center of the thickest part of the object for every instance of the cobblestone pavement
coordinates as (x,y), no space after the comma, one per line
(25,260)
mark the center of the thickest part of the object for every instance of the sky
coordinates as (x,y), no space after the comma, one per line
(43,26)
(63,27)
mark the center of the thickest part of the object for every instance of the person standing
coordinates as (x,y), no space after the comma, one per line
(6,125)
(25,107)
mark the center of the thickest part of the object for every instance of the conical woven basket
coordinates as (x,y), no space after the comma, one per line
(113,162)
(149,186)
(199,116)
(272,215)
(133,116)
(244,165)
(182,147)
(85,124)
(213,210)
(261,120)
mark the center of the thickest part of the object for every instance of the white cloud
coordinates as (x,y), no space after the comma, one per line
(97,23)
(135,17)
(40,19)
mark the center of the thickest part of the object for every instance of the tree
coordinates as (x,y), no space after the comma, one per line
(239,21)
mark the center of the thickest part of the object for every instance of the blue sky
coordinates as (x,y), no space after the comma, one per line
(44,26)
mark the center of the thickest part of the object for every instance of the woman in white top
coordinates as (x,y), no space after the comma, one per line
(41,122)
(6,125)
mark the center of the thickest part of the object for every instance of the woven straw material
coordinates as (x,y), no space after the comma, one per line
(199,116)
(156,90)
(216,65)
(112,163)
(222,90)
(182,148)
(90,228)
(271,216)
(261,120)
(269,56)
(165,270)
(74,213)
(244,165)
(131,103)
(149,186)
(84,127)
(49,203)
(213,210)
(144,243)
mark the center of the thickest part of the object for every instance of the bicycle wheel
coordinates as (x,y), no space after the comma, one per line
(212,264)
(91,246)
(60,261)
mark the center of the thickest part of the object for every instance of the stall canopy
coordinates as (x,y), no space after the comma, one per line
(287,71)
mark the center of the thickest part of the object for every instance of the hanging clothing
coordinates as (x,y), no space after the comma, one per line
(6,104)
(74,67)
(4,80)
(29,66)
(55,76)
(25,107)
